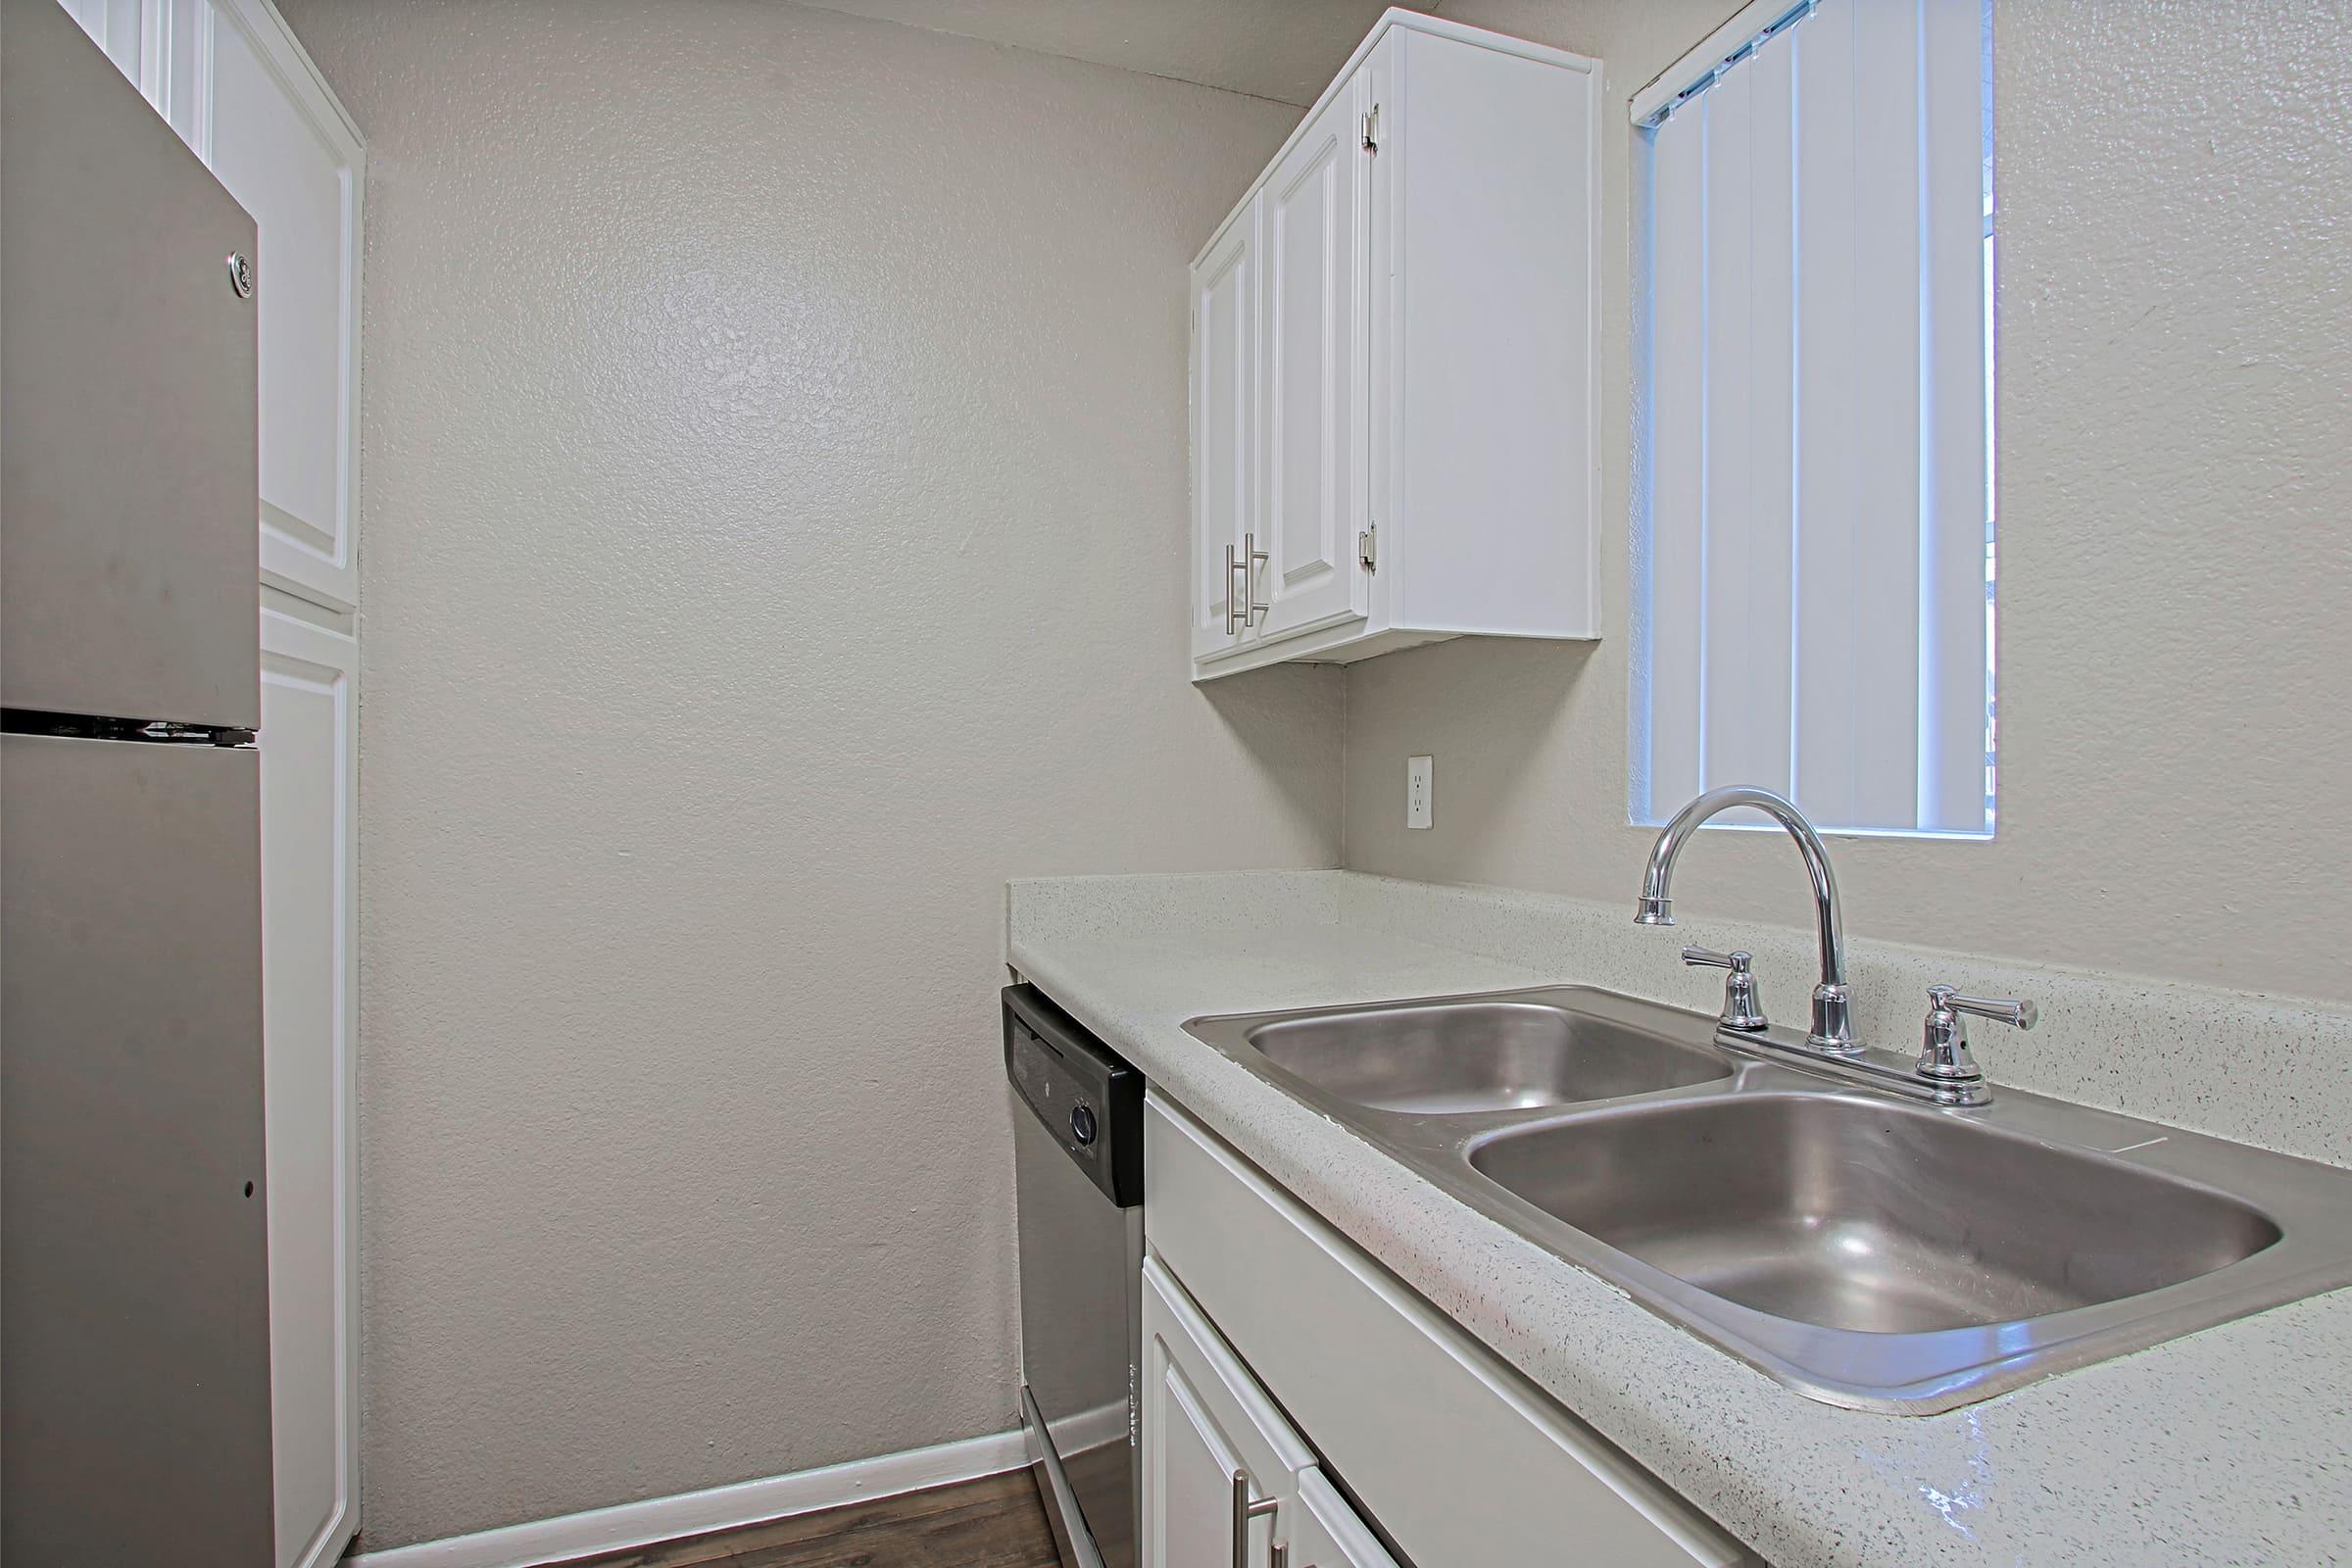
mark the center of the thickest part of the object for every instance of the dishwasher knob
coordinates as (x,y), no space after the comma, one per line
(1082,1123)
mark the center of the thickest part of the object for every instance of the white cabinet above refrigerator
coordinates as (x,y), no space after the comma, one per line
(230,78)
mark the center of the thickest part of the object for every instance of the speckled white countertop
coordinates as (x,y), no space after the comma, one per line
(2231,1445)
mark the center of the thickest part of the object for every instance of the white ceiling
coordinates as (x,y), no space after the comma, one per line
(1285,50)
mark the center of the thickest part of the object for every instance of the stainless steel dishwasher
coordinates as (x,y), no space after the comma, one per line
(1078,1163)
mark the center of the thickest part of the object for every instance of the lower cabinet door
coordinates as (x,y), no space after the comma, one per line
(1220,1463)
(1323,1532)
(309,674)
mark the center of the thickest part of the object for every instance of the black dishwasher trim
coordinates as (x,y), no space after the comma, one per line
(1065,1068)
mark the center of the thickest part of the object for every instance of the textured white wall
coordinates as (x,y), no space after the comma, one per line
(774,531)
(2175,385)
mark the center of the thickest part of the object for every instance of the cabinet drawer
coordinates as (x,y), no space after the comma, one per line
(1457,1457)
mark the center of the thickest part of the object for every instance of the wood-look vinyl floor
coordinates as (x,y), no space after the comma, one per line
(995,1522)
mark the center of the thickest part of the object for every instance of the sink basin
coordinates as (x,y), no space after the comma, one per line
(1440,1058)
(1873,1216)
(1867,1250)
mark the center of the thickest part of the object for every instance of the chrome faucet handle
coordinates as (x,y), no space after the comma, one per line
(2017,1014)
(1742,1010)
(1944,1054)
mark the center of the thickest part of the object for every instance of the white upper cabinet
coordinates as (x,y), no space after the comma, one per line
(115,27)
(257,112)
(1406,455)
(284,148)
(232,80)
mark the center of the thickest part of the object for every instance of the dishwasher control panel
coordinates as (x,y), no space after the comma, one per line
(1090,1101)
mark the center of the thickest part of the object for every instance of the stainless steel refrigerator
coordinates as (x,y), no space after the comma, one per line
(135,1347)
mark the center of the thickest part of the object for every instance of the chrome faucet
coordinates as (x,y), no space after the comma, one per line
(1833,1031)
(1944,1072)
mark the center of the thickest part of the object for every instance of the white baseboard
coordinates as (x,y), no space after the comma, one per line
(690,1513)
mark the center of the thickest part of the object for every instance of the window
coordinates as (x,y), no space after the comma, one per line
(1813,555)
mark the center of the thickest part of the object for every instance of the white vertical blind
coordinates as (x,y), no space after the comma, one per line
(1678,433)
(1956,483)
(1814,570)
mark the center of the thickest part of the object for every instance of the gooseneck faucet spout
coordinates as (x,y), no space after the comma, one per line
(1832,1029)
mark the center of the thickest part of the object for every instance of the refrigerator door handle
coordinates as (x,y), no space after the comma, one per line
(107,727)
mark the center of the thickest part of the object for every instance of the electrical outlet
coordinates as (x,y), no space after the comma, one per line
(1420,781)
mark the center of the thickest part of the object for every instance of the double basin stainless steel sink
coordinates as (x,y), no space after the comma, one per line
(1868,1250)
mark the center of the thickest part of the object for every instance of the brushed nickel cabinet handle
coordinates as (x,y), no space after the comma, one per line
(1236,605)
(1244,1511)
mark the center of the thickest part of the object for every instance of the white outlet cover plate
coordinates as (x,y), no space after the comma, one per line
(1420,782)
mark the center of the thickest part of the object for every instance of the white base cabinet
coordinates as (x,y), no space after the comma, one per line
(1226,1479)
(1391,365)
(1326,1533)
(309,757)
(1276,1350)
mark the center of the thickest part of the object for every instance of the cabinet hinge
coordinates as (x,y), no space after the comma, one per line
(1371,128)
(1367,547)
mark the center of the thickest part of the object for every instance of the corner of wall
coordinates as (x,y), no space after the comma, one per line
(1347,695)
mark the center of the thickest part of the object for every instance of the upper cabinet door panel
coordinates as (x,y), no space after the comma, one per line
(117,28)
(1311,390)
(1223,386)
(255,109)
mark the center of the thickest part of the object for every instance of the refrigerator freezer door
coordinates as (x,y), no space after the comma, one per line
(129,464)
(134,1330)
